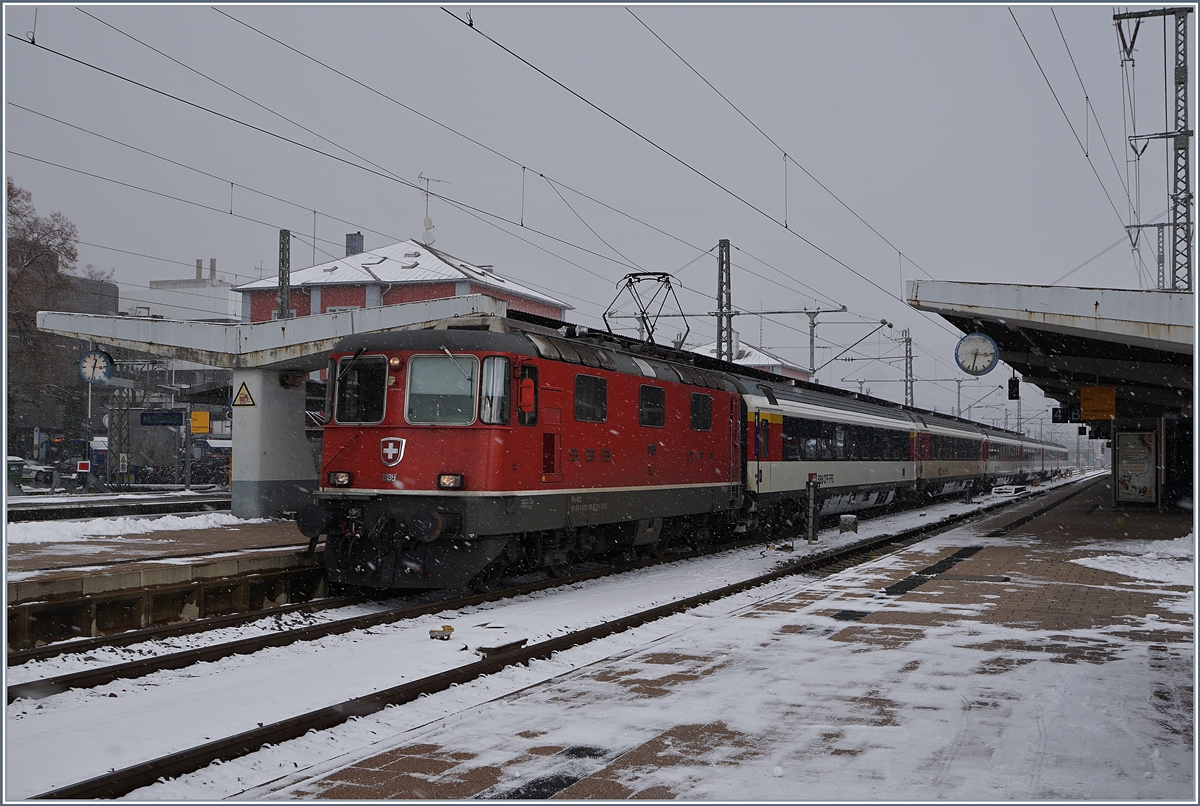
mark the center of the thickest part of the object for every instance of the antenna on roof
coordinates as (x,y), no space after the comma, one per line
(429,221)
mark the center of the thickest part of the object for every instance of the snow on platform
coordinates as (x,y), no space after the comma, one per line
(1055,662)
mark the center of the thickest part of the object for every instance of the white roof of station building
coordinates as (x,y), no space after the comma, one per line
(749,356)
(403,262)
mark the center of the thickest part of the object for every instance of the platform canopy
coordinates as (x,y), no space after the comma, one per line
(1061,339)
(295,344)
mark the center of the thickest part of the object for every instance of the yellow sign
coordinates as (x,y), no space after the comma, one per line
(1097,403)
(242,398)
(200,422)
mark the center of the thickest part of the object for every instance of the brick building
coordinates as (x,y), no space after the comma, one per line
(407,271)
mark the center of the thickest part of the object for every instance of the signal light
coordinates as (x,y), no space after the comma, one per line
(339,478)
(450,481)
(1014,389)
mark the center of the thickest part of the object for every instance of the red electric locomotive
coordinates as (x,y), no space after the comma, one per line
(483,445)
(452,456)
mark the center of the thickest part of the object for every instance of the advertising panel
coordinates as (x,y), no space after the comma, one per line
(1137,473)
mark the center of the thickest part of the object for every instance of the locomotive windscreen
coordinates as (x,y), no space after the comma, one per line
(441,389)
(361,388)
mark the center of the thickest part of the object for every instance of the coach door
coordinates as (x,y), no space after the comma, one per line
(737,455)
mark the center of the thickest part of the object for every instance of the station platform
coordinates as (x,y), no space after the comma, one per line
(1045,659)
(103,564)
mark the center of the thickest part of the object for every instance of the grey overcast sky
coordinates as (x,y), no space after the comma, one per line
(933,124)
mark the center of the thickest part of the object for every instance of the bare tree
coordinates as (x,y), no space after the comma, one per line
(41,261)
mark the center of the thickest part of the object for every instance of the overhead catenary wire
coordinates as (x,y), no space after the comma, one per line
(786,157)
(432,120)
(1066,117)
(455,203)
(690,167)
(520,223)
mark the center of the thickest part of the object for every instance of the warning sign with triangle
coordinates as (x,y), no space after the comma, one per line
(243,398)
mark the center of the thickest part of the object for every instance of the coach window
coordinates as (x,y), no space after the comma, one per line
(591,399)
(701,412)
(493,399)
(527,393)
(793,438)
(652,406)
(361,387)
(441,389)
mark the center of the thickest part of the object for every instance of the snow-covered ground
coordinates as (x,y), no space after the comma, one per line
(79,530)
(745,563)
(75,735)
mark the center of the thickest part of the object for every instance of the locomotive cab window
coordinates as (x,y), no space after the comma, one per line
(441,389)
(494,397)
(652,406)
(701,412)
(361,389)
(591,399)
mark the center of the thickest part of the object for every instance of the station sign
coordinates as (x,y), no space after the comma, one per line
(1064,415)
(1097,402)
(162,418)
(201,422)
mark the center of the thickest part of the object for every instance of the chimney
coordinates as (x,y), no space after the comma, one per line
(354,243)
(199,268)
(212,269)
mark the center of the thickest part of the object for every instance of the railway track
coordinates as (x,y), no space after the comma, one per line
(32,509)
(120,782)
(177,660)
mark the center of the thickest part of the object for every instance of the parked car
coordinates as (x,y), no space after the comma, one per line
(33,473)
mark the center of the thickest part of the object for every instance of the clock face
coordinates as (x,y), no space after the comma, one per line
(95,366)
(977,354)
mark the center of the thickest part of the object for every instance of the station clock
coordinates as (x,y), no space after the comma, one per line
(977,354)
(96,366)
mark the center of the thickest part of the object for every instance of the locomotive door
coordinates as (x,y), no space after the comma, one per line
(551,411)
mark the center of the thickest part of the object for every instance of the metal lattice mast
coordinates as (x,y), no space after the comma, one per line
(1180,137)
(724,303)
(285,273)
(1181,195)
(119,438)
(908,370)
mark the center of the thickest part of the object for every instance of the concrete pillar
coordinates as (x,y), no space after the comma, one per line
(273,467)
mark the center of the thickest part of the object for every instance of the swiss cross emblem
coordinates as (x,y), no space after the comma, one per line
(391,450)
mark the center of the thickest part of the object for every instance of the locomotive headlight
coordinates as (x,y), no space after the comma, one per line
(450,481)
(394,362)
(339,478)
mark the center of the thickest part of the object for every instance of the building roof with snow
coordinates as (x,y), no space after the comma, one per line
(406,262)
(756,357)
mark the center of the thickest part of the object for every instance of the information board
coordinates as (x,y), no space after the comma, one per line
(1097,402)
(162,418)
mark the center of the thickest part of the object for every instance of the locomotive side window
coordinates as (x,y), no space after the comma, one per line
(527,400)
(591,399)
(652,406)
(493,400)
(441,389)
(361,389)
(701,412)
